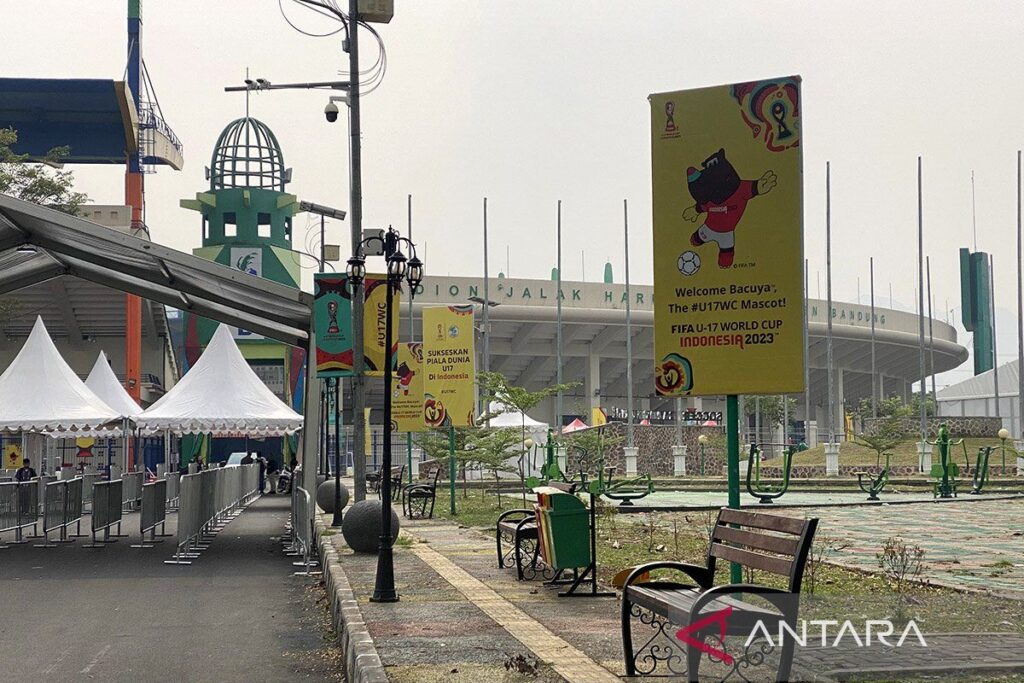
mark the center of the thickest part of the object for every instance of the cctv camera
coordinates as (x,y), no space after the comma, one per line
(331,112)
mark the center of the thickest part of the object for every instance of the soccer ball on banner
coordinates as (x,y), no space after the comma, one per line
(689,263)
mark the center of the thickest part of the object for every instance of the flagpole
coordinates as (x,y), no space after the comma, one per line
(1020,315)
(629,332)
(558,331)
(874,373)
(828,314)
(920,305)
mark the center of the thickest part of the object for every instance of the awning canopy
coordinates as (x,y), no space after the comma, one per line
(220,395)
(510,417)
(39,244)
(39,392)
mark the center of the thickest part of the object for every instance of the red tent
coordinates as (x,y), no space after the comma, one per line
(574,425)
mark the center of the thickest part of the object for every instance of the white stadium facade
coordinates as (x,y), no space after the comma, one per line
(524,330)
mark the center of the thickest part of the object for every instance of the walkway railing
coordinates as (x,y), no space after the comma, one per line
(302,537)
(19,508)
(208,500)
(173,483)
(153,513)
(62,506)
(131,490)
(106,510)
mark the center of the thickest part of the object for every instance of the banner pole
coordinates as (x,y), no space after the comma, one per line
(733,466)
(451,468)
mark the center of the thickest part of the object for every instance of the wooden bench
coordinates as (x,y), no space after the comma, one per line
(517,529)
(416,496)
(779,545)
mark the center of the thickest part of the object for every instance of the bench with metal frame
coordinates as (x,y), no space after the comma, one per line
(758,541)
(374,481)
(417,496)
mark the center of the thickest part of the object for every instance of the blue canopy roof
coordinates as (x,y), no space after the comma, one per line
(96,118)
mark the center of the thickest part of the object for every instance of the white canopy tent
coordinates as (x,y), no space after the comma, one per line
(220,395)
(104,383)
(39,392)
(510,417)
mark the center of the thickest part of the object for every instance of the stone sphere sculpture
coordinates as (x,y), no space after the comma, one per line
(325,496)
(361,526)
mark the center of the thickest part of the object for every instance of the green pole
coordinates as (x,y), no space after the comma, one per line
(451,467)
(408,447)
(732,439)
(549,448)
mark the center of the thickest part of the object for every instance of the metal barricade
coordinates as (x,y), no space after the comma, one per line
(153,513)
(62,506)
(207,501)
(173,480)
(106,510)
(73,506)
(88,481)
(132,490)
(302,531)
(43,481)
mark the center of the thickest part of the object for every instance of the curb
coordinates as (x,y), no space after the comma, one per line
(362,663)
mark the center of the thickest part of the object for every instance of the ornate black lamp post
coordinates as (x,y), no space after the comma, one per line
(398,269)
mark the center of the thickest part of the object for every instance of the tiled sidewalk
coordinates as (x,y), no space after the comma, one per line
(460,618)
(974,544)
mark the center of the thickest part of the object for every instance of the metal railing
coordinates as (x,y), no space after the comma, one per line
(88,481)
(173,484)
(153,513)
(131,491)
(106,510)
(19,508)
(208,500)
(301,539)
(62,506)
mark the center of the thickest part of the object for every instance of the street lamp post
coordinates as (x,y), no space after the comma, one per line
(398,269)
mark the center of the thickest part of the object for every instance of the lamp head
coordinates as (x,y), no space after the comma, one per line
(1004,434)
(356,269)
(415,273)
(397,264)
(702,439)
(528,443)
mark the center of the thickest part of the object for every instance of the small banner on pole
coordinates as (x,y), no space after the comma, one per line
(407,396)
(449,384)
(332,316)
(728,239)
(375,289)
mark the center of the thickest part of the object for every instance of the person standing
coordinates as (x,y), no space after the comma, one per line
(263,472)
(273,474)
(25,472)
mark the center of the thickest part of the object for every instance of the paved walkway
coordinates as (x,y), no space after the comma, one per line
(975,544)
(121,614)
(460,618)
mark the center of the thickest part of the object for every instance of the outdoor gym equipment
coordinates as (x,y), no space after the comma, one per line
(945,471)
(764,492)
(980,474)
(874,484)
(625,491)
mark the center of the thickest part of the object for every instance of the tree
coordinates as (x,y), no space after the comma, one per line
(888,434)
(500,396)
(772,408)
(33,181)
(492,449)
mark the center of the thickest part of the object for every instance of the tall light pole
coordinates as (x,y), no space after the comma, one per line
(399,269)
(629,329)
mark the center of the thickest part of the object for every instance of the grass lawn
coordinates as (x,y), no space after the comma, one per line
(851,453)
(838,593)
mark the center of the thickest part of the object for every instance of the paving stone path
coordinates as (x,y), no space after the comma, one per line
(461,618)
(968,544)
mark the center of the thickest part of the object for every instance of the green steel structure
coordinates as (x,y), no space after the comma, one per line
(247,225)
(976,306)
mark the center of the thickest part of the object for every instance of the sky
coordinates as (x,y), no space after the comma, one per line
(531,102)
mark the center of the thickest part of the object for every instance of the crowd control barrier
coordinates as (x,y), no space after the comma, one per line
(302,531)
(43,481)
(62,506)
(19,508)
(207,501)
(106,510)
(173,481)
(153,513)
(132,490)
(88,481)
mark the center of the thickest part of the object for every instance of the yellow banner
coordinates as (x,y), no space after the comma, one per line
(374,318)
(407,389)
(449,391)
(728,239)
(12,456)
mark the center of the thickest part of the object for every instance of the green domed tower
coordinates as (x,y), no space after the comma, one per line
(247,225)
